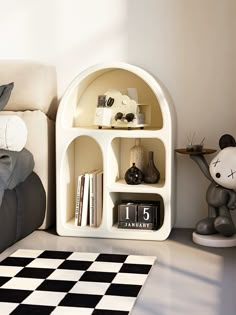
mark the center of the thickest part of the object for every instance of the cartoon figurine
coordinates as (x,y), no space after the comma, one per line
(220,196)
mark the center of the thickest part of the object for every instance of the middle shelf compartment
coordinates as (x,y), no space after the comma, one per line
(86,153)
(113,157)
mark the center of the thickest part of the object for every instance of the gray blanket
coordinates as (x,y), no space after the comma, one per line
(15,167)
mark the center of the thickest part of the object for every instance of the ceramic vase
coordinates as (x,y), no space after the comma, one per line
(137,155)
(134,176)
(151,174)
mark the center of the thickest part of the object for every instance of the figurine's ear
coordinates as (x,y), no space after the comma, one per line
(227,141)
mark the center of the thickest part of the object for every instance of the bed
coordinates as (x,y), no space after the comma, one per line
(27,167)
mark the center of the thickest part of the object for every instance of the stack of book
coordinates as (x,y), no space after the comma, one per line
(88,210)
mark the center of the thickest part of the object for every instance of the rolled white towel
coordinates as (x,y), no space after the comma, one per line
(13,133)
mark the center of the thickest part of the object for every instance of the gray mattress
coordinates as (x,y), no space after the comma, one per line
(22,210)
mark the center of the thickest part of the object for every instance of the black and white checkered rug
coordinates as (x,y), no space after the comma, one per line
(60,282)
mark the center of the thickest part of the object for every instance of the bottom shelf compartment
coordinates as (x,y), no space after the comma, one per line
(109,224)
(137,216)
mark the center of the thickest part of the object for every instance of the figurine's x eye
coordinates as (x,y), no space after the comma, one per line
(232,174)
(216,162)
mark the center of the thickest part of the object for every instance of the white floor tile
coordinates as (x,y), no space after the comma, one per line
(45,263)
(9,271)
(83,256)
(126,278)
(27,253)
(63,310)
(121,303)
(7,308)
(136,259)
(64,274)
(44,298)
(23,283)
(85,287)
(105,266)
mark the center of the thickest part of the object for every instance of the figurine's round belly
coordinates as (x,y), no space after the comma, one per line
(217,196)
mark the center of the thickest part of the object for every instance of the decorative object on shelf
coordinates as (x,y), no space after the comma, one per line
(134,176)
(101,101)
(103,111)
(128,117)
(191,147)
(151,173)
(220,196)
(143,215)
(115,109)
(118,116)
(194,148)
(133,94)
(137,155)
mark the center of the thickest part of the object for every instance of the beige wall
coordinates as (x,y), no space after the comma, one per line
(190,45)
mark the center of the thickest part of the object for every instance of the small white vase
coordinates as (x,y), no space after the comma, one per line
(137,155)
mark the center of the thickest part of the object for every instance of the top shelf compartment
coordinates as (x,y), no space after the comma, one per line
(83,93)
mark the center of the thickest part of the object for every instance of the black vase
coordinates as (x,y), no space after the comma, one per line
(151,174)
(134,176)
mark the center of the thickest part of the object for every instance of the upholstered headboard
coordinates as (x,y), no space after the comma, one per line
(30,79)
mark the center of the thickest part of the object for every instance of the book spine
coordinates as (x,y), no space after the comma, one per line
(77,200)
(99,197)
(81,197)
(92,206)
(84,215)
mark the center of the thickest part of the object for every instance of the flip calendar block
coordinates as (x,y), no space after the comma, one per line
(139,215)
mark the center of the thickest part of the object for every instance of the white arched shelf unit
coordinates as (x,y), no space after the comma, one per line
(81,147)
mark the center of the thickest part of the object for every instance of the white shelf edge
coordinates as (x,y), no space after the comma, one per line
(122,186)
(113,232)
(144,133)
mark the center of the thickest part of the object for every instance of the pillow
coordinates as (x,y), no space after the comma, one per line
(5,93)
(13,133)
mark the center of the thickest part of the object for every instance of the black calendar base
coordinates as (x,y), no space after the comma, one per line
(137,225)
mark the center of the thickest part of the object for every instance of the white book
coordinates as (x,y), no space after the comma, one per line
(84,216)
(78,201)
(99,197)
(92,199)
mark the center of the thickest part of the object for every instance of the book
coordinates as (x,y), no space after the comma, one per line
(96,191)
(99,197)
(92,201)
(89,198)
(79,199)
(85,201)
